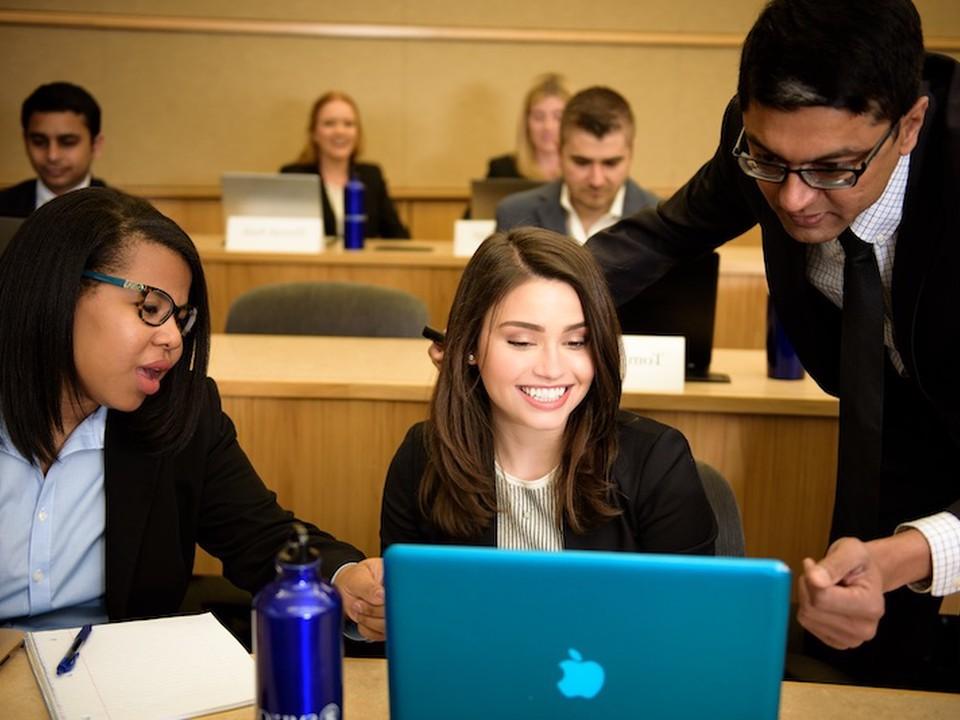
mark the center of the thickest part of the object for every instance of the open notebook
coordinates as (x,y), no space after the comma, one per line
(166,668)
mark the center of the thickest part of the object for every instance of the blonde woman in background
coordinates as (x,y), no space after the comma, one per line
(538,134)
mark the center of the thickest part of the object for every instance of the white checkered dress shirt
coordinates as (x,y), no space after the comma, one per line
(877,225)
(942,532)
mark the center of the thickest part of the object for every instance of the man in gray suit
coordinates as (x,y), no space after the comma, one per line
(596,147)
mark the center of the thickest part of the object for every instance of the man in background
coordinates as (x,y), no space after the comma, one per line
(61,133)
(595,190)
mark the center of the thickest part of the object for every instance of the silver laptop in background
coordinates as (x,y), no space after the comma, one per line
(485,194)
(271,195)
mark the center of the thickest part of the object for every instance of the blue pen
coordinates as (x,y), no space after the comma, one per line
(70,659)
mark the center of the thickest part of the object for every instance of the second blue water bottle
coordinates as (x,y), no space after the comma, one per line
(354,215)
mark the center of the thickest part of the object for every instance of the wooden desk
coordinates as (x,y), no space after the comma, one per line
(427,212)
(321,418)
(433,273)
(365,697)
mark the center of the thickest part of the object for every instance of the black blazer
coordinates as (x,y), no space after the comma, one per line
(503,166)
(19,200)
(922,414)
(665,509)
(382,218)
(159,506)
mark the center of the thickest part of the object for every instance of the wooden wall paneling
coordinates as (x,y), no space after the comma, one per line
(194,215)
(433,219)
(327,459)
(741,312)
(782,470)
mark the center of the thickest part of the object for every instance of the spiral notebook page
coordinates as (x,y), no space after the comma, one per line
(165,668)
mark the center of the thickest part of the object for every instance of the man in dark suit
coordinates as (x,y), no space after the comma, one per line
(843,143)
(61,132)
(596,147)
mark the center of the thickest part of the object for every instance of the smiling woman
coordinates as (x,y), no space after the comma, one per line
(115,457)
(334,142)
(525,447)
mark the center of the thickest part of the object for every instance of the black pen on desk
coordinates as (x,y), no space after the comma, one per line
(70,659)
(433,334)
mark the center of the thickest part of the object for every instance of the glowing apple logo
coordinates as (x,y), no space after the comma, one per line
(581,678)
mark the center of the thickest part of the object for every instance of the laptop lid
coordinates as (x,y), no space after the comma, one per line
(486,633)
(682,302)
(271,195)
(486,194)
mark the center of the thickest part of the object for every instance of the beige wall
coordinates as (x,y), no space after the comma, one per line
(180,108)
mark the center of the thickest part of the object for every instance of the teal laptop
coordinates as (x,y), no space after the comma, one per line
(485,633)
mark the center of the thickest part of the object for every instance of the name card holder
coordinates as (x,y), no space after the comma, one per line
(468,235)
(249,233)
(654,362)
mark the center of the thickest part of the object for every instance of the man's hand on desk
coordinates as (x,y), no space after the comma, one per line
(841,597)
(361,587)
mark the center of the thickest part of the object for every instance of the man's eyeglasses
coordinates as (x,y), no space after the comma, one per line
(831,177)
(156,306)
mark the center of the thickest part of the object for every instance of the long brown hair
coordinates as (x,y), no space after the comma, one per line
(309,153)
(458,492)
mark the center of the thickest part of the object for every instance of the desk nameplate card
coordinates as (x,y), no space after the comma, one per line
(654,363)
(468,235)
(248,233)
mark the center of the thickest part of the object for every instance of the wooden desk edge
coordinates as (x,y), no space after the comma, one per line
(307,389)
(366,696)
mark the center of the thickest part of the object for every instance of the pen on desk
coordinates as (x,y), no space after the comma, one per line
(70,659)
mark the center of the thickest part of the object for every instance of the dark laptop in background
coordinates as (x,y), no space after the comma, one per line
(8,228)
(682,302)
(485,194)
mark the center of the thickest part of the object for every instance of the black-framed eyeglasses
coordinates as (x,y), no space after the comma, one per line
(156,305)
(831,177)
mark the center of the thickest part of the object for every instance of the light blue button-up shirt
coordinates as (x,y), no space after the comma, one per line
(52,546)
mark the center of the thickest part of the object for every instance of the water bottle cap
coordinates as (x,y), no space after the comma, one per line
(298,550)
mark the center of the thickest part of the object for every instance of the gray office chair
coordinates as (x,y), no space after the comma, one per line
(730,540)
(798,665)
(327,308)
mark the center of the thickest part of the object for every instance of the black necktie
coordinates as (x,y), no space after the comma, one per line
(861,393)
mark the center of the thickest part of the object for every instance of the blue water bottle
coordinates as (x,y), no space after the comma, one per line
(298,639)
(782,360)
(354,215)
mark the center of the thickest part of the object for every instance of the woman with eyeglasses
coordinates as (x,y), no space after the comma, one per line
(115,456)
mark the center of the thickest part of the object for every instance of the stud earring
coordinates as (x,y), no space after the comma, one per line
(471,359)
